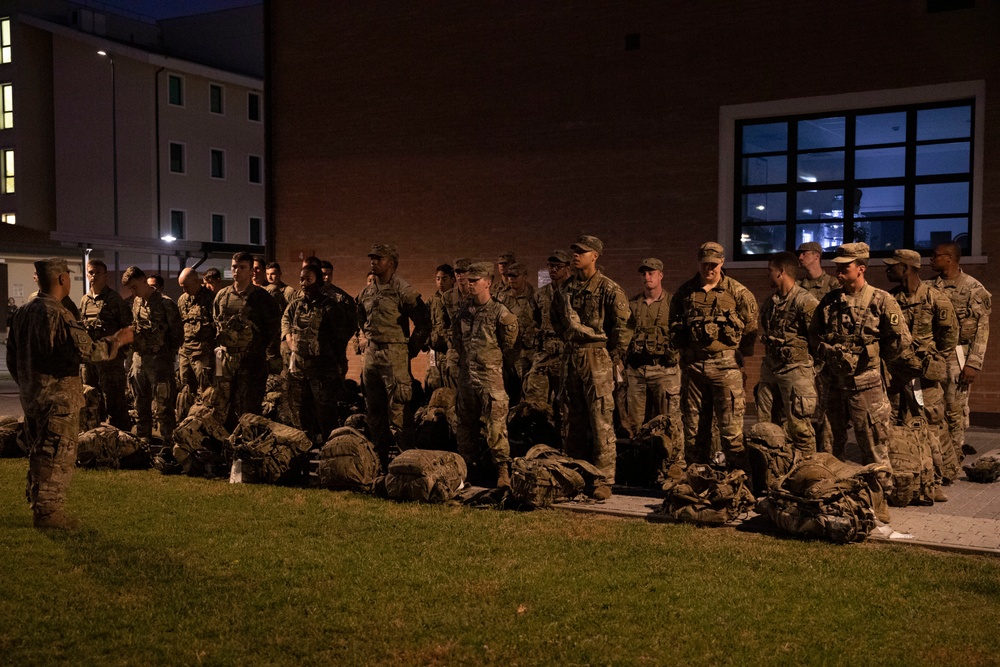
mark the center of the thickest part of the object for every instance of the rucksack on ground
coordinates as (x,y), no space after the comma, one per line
(707,495)
(544,475)
(436,423)
(425,475)
(200,443)
(348,461)
(985,470)
(110,447)
(12,443)
(93,413)
(912,464)
(270,452)
(185,401)
(771,456)
(530,423)
(655,454)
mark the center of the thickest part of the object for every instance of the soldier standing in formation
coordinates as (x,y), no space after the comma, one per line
(483,333)
(259,271)
(714,322)
(591,314)
(45,348)
(544,381)
(282,293)
(386,308)
(103,312)
(197,353)
(437,375)
(213,280)
(787,390)
(519,298)
(452,301)
(504,260)
(817,282)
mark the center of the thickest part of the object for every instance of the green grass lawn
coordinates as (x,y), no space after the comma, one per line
(171,570)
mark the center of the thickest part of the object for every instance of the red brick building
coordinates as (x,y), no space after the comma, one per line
(460,128)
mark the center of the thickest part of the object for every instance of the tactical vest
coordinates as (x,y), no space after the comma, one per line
(98,316)
(783,338)
(149,338)
(235,329)
(305,325)
(712,321)
(652,333)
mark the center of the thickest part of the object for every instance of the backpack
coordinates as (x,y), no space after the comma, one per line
(109,447)
(425,475)
(912,464)
(12,443)
(270,452)
(185,401)
(530,423)
(770,454)
(654,454)
(544,476)
(437,422)
(706,495)
(985,470)
(200,442)
(348,461)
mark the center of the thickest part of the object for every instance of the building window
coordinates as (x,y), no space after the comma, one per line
(218,228)
(7,218)
(5,40)
(215,98)
(175,86)
(255,169)
(218,163)
(6,106)
(8,171)
(177,226)
(256,231)
(176,158)
(253,107)
(893,177)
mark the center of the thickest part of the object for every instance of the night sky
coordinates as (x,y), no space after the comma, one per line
(160,9)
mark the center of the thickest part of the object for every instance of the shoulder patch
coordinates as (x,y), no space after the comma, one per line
(894,319)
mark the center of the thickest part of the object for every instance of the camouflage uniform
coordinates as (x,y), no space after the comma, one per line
(651,365)
(197,354)
(820,287)
(158,335)
(786,372)
(45,347)
(102,315)
(972,308)
(282,294)
(517,364)
(245,323)
(452,301)
(437,365)
(384,315)
(592,317)
(482,336)
(543,383)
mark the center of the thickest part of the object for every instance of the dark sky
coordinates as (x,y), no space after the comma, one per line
(161,9)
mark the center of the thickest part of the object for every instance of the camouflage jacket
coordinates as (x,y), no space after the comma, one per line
(544,297)
(482,336)
(523,306)
(282,294)
(440,322)
(385,312)
(245,322)
(930,317)
(818,287)
(784,329)
(972,308)
(105,313)
(652,342)
(199,326)
(707,323)
(158,328)
(593,311)
(321,328)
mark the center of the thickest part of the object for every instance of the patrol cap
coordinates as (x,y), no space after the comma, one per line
(506,257)
(461,265)
(810,246)
(650,264)
(480,270)
(384,250)
(849,252)
(588,244)
(901,256)
(559,257)
(711,252)
(514,270)
(52,265)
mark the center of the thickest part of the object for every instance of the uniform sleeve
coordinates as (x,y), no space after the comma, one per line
(894,334)
(808,310)
(817,329)
(617,316)
(456,335)
(980,307)
(124,314)
(746,308)
(420,315)
(507,331)
(286,318)
(359,303)
(439,327)
(945,323)
(175,327)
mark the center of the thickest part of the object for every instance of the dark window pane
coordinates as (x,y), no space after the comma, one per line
(764,207)
(928,233)
(215,97)
(942,198)
(255,235)
(880,128)
(176,85)
(880,235)
(880,163)
(822,132)
(943,159)
(815,167)
(949,123)
(879,202)
(253,107)
(766,138)
(819,204)
(827,234)
(254,173)
(177,224)
(218,228)
(762,240)
(177,158)
(218,165)
(765,170)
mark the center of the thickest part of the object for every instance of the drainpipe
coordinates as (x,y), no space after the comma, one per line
(156,116)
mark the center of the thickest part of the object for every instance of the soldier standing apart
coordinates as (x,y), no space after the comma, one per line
(45,348)
(385,309)
(246,321)
(714,322)
(853,327)
(972,308)
(437,375)
(452,301)
(592,316)
(484,332)
(787,381)
(918,375)
(519,298)
(103,312)
(197,353)
(158,335)
(544,381)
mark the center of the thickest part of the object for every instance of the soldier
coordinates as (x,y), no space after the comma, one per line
(919,374)
(385,309)
(45,348)
(281,292)
(543,383)
(504,260)
(327,267)
(156,281)
(853,327)
(452,301)
(246,321)
(103,312)
(652,373)
(483,332)
(592,317)
(158,335)
(787,381)
(972,308)
(714,323)
(259,272)
(815,280)
(198,350)
(316,326)
(519,298)
(213,280)
(437,375)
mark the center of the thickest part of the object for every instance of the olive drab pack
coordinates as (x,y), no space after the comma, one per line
(425,475)
(185,400)
(200,442)
(109,447)
(93,413)
(436,423)
(544,476)
(530,423)
(653,455)
(348,462)
(269,452)
(706,495)
(912,464)
(274,406)
(771,456)
(985,470)
(12,443)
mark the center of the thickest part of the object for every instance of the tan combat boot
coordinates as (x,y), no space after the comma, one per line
(503,475)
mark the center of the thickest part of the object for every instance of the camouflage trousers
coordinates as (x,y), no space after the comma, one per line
(788,398)
(388,388)
(868,411)
(820,422)
(903,400)
(589,386)
(240,386)
(652,391)
(516,367)
(51,430)
(313,402)
(478,406)
(956,404)
(111,379)
(717,382)
(543,383)
(152,381)
(195,371)
(440,374)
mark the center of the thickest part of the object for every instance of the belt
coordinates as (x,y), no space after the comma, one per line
(576,346)
(701,355)
(384,346)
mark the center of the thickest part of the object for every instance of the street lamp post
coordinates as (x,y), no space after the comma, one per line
(114,142)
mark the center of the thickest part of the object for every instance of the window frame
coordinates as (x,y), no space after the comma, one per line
(6,39)
(260,229)
(9,218)
(7,175)
(211,155)
(212,218)
(183,84)
(260,169)
(222,99)
(260,107)
(170,157)
(183,215)
(4,109)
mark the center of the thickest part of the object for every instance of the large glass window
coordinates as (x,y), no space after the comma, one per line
(5,40)
(175,90)
(6,106)
(218,228)
(8,171)
(893,178)
(218,165)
